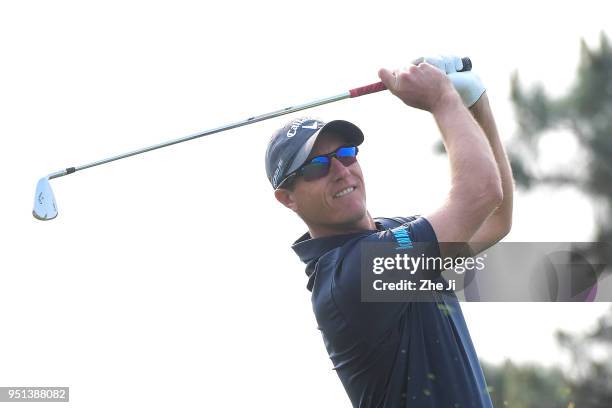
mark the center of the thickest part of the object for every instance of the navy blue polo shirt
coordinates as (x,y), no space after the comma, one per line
(390,354)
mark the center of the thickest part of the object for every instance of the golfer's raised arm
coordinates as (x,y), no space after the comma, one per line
(499,222)
(475,181)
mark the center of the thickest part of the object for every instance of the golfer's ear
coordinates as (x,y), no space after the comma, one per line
(286,198)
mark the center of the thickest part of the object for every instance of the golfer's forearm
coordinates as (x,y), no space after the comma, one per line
(484,116)
(475,177)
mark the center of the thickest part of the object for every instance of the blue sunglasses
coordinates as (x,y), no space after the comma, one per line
(318,166)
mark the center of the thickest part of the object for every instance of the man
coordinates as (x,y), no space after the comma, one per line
(416,354)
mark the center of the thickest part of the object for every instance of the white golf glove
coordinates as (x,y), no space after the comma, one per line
(468,84)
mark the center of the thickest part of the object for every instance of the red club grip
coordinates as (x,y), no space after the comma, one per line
(379,86)
(368,89)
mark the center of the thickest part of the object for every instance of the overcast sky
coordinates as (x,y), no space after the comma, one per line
(168,278)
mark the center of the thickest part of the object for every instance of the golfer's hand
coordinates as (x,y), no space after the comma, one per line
(422,86)
(467,83)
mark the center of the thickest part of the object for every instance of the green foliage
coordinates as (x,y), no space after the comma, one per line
(586,112)
(591,374)
(527,386)
(587,384)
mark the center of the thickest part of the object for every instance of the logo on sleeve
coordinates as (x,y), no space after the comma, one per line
(402,236)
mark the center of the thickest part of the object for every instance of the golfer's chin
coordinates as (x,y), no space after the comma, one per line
(352,217)
(339,222)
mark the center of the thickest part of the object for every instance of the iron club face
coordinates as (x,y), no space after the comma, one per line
(45,207)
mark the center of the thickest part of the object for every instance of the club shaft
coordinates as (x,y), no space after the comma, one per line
(245,122)
(353,93)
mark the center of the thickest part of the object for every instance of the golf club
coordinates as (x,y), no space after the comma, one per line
(45,207)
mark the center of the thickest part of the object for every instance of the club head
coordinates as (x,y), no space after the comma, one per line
(44,202)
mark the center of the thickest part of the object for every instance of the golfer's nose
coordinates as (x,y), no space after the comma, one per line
(338,170)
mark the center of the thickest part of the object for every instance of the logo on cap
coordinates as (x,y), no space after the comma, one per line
(277,172)
(296,124)
(313,126)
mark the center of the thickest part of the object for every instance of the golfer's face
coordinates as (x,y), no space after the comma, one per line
(325,201)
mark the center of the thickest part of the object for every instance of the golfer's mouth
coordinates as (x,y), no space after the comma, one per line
(344,192)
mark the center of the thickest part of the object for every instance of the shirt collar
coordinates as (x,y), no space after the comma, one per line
(309,249)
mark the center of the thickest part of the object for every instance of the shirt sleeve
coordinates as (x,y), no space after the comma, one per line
(372,320)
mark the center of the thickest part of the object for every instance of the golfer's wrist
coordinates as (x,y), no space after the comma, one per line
(448,101)
(481,108)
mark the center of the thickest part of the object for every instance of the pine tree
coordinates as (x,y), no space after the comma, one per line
(586,112)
